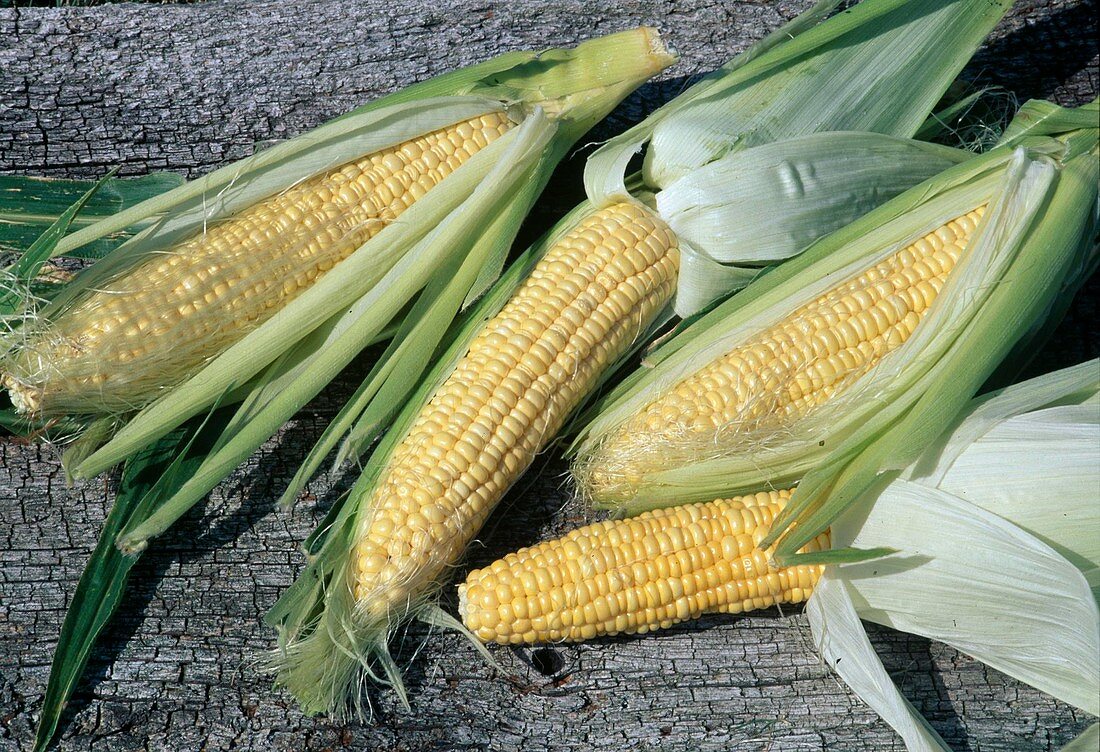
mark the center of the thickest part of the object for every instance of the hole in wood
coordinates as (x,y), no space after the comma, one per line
(546,661)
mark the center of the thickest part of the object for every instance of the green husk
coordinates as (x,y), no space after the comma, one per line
(879,67)
(806,186)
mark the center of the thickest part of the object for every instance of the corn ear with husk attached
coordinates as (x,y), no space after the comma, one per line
(992,560)
(570,310)
(324,649)
(846,361)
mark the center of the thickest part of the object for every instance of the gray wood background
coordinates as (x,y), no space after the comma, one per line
(187,87)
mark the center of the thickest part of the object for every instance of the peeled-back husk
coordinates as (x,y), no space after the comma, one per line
(969,572)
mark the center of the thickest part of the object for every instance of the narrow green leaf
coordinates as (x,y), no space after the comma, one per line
(28,205)
(147,477)
(20,425)
(92,435)
(847,555)
(17,278)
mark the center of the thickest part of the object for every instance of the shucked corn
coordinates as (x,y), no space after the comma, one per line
(585,302)
(160,321)
(637,575)
(776,376)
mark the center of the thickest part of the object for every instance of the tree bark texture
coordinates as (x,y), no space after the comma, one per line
(190,87)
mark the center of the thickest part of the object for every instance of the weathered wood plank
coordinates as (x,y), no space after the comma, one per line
(189,87)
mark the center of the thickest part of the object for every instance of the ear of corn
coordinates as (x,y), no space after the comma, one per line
(128,341)
(585,301)
(458,443)
(826,355)
(637,575)
(779,375)
(583,304)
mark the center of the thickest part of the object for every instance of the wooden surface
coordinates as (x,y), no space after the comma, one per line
(188,87)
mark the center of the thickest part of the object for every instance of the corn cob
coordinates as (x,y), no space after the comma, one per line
(637,575)
(583,304)
(779,375)
(156,324)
